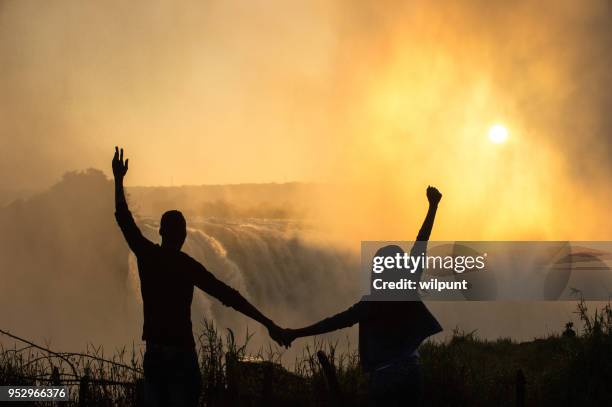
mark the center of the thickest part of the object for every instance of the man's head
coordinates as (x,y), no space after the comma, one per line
(173,230)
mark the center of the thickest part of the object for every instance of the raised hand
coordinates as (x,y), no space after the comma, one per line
(119,167)
(433,195)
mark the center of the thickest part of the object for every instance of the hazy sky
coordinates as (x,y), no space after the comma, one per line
(383,97)
(197,92)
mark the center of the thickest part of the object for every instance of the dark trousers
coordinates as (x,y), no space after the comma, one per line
(399,384)
(172,376)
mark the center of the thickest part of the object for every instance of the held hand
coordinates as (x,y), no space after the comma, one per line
(290,334)
(433,195)
(119,167)
(280,335)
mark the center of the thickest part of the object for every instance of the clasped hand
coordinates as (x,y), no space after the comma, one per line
(282,336)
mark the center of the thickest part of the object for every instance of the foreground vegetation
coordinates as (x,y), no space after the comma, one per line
(573,368)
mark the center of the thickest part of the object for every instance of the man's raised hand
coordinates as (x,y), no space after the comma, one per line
(119,167)
(433,195)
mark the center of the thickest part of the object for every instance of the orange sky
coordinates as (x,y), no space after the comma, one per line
(382,98)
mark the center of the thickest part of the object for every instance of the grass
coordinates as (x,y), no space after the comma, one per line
(571,368)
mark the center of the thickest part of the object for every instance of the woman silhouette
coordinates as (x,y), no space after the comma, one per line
(390,332)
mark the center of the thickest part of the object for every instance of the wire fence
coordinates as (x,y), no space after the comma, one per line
(88,376)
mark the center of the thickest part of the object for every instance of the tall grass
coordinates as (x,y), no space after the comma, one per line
(571,368)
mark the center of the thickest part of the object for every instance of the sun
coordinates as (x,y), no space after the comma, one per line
(498,134)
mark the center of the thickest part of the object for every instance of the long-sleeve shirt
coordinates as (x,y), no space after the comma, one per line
(167,279)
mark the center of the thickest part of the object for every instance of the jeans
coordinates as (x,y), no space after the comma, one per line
(172,377)
(398,384)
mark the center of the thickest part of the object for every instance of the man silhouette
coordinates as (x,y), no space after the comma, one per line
(167,277)
(390,332)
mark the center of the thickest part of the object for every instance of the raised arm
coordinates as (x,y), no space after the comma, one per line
(207,282)
(420,246)
(125,220)
(120,168)
(433,196)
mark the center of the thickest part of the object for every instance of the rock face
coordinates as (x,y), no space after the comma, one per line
(64,265)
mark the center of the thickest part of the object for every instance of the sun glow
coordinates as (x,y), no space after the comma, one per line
(498,134)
